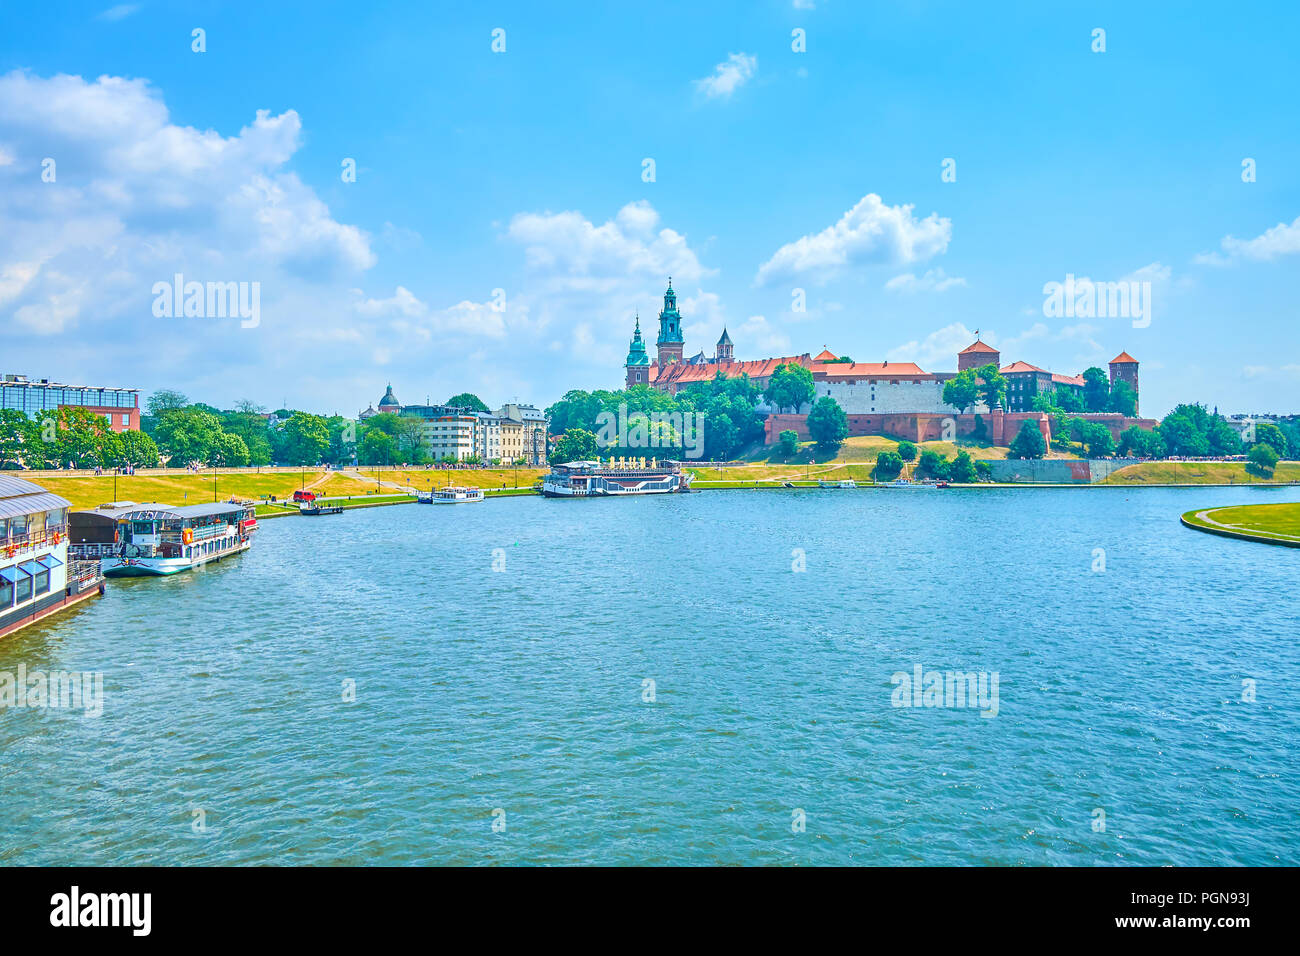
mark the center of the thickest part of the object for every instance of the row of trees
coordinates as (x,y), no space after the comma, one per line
(75,436)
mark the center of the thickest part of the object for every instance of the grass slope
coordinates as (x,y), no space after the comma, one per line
(1274,522)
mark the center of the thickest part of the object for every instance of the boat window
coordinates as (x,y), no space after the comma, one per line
(43,582)
(23,586)
(7,576)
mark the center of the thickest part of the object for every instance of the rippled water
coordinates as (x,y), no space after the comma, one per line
(522,690)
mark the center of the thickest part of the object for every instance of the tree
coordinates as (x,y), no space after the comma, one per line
(165,400)
(1096,389)
(137,449)
(1261,460)
(1184,431)
(888,466)
(827,423)
(1271,435)
(1069,399)
(791,386)
(227,451)
(577,444)
(906,451)
(20,440)
(1140,443)
(962,470)
(76,435)
(1028,443)
(377,448)
(468,400)
(185,435)
(961,391)
(993,387)
(306,439)
(1098,438)
(789,442)
(932,465)
(1122,399)
(721,437)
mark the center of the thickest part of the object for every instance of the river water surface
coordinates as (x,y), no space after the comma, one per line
(522,697)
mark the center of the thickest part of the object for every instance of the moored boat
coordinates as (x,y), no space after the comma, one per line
(630,476)
(844,483)
(133,540)
(455,495)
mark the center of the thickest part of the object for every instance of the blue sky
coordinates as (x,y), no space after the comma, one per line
(522,171)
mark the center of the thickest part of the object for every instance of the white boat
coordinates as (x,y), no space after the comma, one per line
(908,485)
(631,476)
(845,483)
(154,539)
(454,495)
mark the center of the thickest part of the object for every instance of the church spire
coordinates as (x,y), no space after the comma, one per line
(670,341)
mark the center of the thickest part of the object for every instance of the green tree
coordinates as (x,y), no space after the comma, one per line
(962,470)
(227,451)
(1122,399)
(1098,438)
(993,386)
(962,391)
(76,435)
(136,449)
(1261,460)
(827,423)
(165,400)
(789,442)
(468,400)
(20,440)
(306,439)
(577,444)
(1271,435)
(791,386)
(377,448)
(1028,443)
(1140,443)
(1096,389)
(933,465)
(185,435)
(907,451)
(888,466)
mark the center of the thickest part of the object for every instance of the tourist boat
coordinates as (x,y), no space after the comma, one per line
(455,495)
(134,540)
(39,574)
(908,485)
(617,477)
(845,483)
(313,509)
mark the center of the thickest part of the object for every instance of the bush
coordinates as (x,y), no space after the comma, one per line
(827,423)
(963,469)
(1029,443)
(888,466)
(906,451)
(933,465)
(789,442)
(1261,460)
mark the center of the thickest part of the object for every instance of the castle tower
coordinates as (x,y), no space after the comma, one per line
(977,354)
(726,352)
(670,340)
(638,361)
(1124,368)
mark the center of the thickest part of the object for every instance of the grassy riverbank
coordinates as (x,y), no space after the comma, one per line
(182,488)
(1272,524)
(1199,473)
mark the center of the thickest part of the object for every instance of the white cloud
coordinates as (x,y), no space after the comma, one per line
(870,233)
(119,12)
(760,337)
(1281,240)
(934,280)
(937,351)
(728,76)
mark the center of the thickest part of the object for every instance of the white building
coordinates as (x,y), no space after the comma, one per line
(883,388)
(487,437)
(532,423)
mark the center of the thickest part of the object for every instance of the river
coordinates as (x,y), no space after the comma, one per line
(694,679)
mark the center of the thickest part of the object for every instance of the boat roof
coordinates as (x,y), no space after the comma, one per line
(18,496)
(152,511)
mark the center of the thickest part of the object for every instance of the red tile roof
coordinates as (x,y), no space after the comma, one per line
(1021,367)
(1123,359)
(826,356)
(1067,379)
(977,346)
(871,370)
(682,373)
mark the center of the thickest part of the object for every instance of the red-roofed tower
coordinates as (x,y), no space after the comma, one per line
(1124,368)
(977,354)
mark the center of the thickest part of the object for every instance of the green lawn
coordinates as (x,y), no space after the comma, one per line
(183,488)
(1280,522)
(1198,473)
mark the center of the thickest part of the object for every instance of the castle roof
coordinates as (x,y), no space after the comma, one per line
(726,339)
(978,346)
(870,370)
(1067,379)
(683,373)
(826,355)
(1123,359)
(1021,367)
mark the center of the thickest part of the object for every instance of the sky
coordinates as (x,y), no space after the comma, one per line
(481,197)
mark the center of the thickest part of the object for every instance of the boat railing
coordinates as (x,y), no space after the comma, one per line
(83,575)
(33,539)
(93,551)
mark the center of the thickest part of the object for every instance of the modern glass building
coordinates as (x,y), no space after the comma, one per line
(121,406)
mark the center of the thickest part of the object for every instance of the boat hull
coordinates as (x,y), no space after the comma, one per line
(124,567)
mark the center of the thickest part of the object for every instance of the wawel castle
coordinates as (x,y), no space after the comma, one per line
(893,398)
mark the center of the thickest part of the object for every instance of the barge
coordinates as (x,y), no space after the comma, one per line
(631,476)
(139,540)
(38,575)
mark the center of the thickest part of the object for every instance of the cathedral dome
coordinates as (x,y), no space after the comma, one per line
(389,401)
